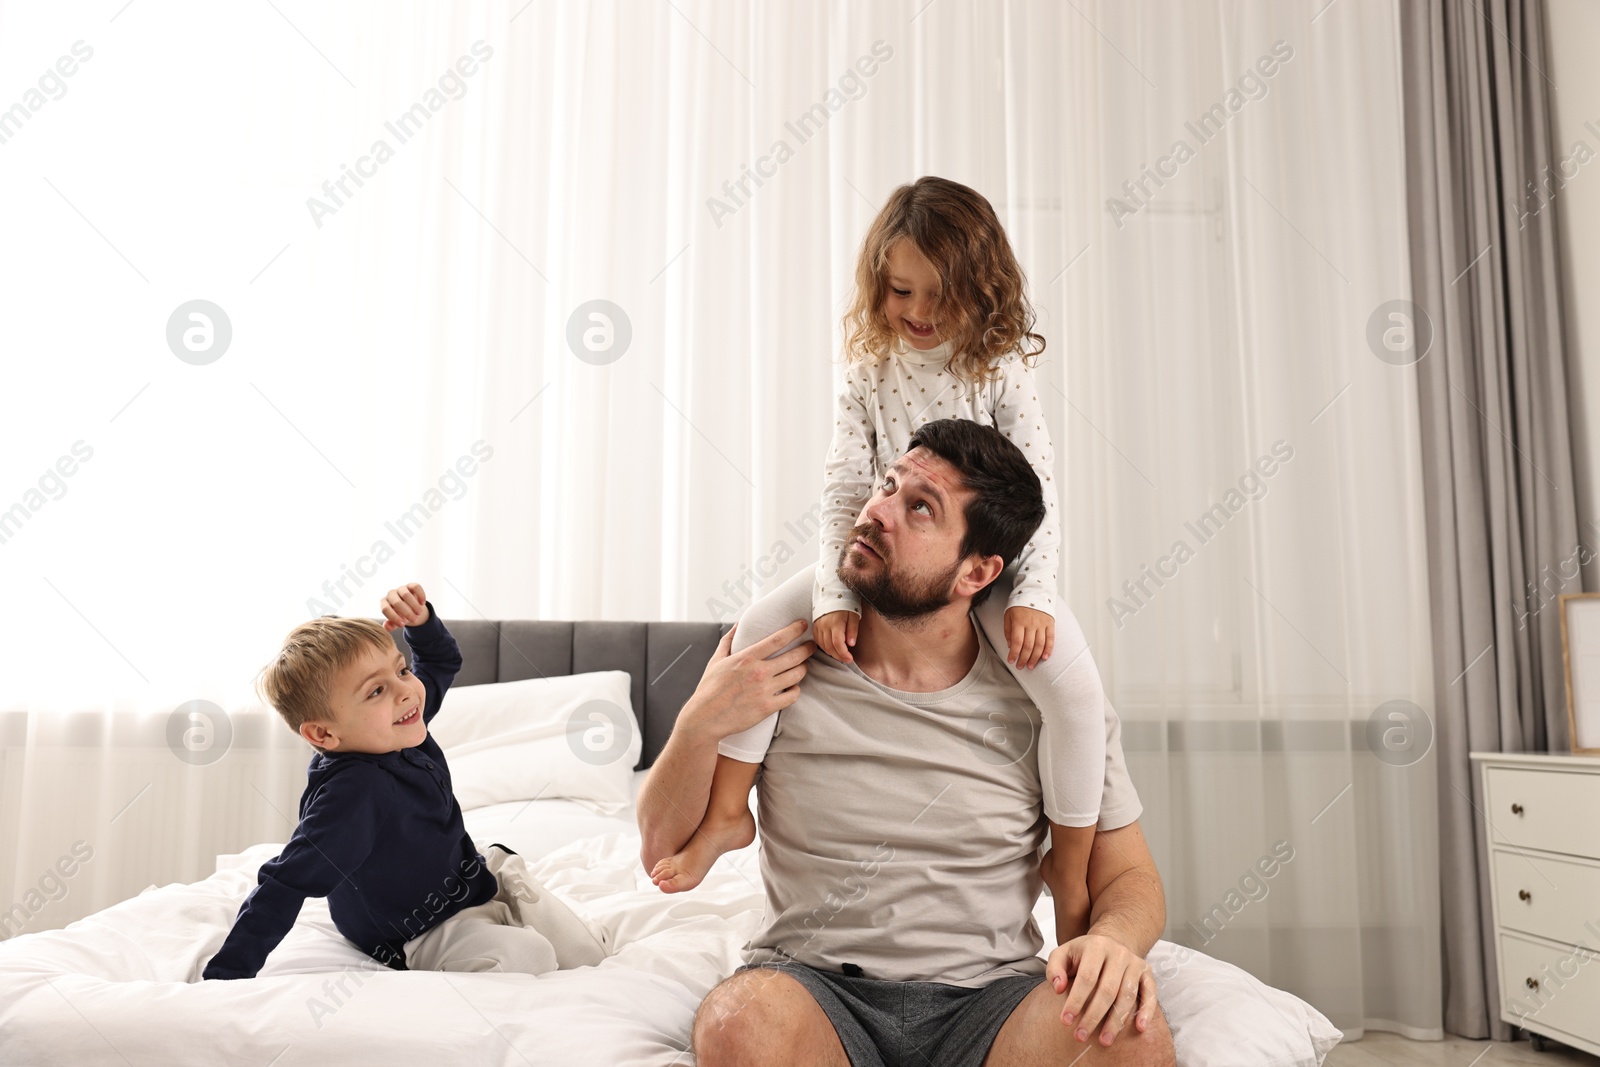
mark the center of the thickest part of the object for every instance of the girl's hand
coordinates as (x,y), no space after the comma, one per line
(405,606)
(1030,636)
(835,633)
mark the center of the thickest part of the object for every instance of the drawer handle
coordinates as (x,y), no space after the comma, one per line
(1516,809)
(1523,894)
(1531,983)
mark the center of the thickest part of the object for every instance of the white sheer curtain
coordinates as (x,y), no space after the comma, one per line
(1225,320)
(401,348)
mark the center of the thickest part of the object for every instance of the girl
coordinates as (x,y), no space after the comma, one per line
(938,329)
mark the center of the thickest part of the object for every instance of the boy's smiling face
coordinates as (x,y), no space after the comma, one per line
(375,705)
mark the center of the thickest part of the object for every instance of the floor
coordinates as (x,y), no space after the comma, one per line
(1381,1049)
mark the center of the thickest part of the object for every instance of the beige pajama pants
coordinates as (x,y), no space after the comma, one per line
(524,929)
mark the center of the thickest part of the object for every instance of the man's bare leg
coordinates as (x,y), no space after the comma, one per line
(760,1017)
(728,825)
(1034,1037)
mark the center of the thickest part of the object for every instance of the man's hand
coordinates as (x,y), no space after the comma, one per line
(739,689)
(404,606)
(736,691)
(1107,981)
(1030,636)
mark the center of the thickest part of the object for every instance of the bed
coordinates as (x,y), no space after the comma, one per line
(121,986)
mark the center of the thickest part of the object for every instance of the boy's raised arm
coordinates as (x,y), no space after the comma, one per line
(435,659)
(435,656)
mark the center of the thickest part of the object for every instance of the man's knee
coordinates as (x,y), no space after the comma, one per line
(1035,1030)
(746,1012)
(1152,1048)
(1156,1043)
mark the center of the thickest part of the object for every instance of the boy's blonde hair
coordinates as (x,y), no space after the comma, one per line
(982,286)
(300,681)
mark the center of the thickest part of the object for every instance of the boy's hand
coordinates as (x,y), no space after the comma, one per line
(1030,636)
(835,633)
(405,606)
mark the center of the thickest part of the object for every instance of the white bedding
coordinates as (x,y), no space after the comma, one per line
(121,986)
(535,828)
(115,987)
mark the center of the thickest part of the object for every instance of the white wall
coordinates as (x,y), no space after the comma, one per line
(1573,31)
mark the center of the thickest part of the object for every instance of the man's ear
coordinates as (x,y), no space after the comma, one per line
(980,571)
(318,734)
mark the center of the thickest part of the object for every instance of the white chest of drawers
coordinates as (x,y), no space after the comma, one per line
(1543,825)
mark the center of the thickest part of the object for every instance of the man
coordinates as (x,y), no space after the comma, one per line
(900,857)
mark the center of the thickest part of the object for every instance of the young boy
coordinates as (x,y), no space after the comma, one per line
(380,832)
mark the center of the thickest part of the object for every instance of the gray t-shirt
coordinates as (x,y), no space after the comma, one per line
(900,832)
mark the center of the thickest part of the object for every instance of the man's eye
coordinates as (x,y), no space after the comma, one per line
(922,504)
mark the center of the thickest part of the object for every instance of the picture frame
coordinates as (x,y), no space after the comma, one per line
(1580,660)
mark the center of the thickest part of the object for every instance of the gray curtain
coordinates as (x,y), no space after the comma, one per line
(1496,451)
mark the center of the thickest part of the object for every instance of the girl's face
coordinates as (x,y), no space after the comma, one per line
(912,295)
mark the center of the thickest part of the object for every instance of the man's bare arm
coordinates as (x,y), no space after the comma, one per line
(1125,887)
(1103,974)
(672,800)
(737,690)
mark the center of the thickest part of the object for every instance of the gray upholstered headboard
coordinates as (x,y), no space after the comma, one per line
(664,660)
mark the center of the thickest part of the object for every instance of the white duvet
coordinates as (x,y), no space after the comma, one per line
(122,986)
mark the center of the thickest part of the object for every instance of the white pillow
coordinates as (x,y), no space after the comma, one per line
(574,737)
(1222,1016)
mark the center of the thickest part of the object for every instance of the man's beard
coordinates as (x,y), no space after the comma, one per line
(890,596)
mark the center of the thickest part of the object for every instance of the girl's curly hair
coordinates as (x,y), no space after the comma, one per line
(982,306)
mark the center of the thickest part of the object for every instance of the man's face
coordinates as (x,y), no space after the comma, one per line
(903,554)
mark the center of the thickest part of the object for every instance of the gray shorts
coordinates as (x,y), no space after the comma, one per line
(910,1024)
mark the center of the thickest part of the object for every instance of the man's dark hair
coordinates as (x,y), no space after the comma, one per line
(1007,503)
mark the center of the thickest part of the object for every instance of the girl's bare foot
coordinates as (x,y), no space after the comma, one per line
(686,869)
